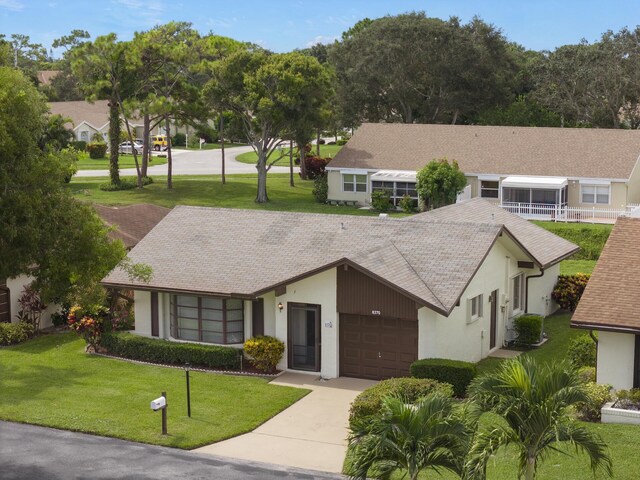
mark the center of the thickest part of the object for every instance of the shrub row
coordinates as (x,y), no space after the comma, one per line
(590,238)
(97,150)
(528,329)
(569,290)
(369,402)
(128,183)
(136,347)
(457,373)
(12,333)
(597,396)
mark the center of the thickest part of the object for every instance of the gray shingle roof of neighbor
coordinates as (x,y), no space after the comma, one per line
(96,113)
(610,300)
(545,247)
(540,151)
(229,252)
(131,222)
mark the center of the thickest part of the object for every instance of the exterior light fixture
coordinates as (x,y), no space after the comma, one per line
(280,306)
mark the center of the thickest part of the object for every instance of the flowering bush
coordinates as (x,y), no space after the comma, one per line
(88,323)
(265,352)
(568,290)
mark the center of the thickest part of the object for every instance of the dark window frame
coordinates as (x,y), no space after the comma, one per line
(175,330)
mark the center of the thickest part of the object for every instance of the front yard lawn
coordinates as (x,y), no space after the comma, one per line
(325,151)
(207,190)
(50,381)
(125,161)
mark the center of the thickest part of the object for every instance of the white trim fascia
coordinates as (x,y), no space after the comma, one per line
(504,175)
(84,122)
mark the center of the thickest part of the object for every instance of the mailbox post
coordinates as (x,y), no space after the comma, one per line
(161,404)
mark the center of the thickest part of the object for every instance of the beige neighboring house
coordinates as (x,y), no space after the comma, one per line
(540,169)
(610,305)
(129,224)
(348,295)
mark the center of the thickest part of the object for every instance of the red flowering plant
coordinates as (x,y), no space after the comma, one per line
(88,323)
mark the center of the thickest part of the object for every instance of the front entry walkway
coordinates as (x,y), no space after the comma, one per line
(310,434)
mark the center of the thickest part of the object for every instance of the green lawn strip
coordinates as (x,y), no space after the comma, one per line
(570,267)
(125,161)
(325,151)
(50,381)
(590,237)
(207,190)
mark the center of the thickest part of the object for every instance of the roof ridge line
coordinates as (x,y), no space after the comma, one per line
(417,275)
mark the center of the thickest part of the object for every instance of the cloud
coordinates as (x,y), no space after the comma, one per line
(321,39)
(13,5)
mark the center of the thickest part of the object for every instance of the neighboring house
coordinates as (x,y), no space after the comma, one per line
(611,305)
(130,224)
(350,296)
(552,167)
(46,76)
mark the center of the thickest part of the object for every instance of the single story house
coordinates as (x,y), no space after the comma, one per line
(349,296)
(610,306)
(89,119)
(559,167)
(129,224)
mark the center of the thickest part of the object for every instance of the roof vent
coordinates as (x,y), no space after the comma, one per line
(383,215)
(341,225)
(493,217)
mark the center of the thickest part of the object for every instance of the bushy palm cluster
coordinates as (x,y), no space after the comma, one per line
(439,433)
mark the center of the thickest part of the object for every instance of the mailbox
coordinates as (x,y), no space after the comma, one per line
(158,403)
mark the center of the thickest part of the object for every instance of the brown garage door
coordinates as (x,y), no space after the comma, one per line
(377,347)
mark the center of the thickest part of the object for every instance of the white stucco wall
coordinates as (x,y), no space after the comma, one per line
(16,286)
(321,289)
(143,312)
(615,359)
(540,301)
(270,312)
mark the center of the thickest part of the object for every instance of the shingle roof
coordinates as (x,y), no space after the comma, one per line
(610,300)
(131,222)
(248,252)
(564,152)
(46,76)
(96,114)
(545,247)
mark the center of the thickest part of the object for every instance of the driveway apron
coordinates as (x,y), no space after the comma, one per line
(310,434)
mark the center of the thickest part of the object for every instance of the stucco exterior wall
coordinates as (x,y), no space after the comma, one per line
(16,286)
(270,313)
(617,197)
(142,312)
(615,359)
(321,289)
(334,181)
(540,301)
(633,186)
(455,337)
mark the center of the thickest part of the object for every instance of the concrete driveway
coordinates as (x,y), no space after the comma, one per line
(28,452)
(311,434)
(195,162)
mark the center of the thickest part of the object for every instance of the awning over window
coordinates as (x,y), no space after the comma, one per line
(535,182)
(394,176)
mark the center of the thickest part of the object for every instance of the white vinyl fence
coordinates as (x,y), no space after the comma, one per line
(561,213)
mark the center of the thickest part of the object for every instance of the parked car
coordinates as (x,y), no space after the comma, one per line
(125,147)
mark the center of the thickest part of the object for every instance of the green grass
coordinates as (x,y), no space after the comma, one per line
(570,267)
(325,151)
(50,381)
(125,161)
(207,190)
(590,237)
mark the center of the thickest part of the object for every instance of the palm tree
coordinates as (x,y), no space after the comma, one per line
(431,433)
(534,401)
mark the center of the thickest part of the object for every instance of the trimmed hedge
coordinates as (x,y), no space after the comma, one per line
(528,329)
(135,347)
(97,150)
(12,333)
(582,351)
(369,402)
(457,373)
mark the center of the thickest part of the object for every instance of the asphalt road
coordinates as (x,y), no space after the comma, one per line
(195,162)
(29,452)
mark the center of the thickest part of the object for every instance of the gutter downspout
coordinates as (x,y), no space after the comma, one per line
(526,289)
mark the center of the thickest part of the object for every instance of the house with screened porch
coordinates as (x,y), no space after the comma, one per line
(546,173)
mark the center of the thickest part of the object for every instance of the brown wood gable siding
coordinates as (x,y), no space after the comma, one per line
(5,302)
(360,294)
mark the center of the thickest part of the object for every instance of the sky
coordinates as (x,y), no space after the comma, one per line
(284,25)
